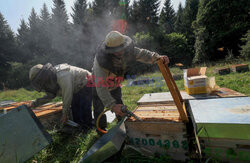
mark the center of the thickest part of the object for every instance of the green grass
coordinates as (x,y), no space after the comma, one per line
(71,148)
(22,95)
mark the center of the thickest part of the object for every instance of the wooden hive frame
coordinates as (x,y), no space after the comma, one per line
(173,90)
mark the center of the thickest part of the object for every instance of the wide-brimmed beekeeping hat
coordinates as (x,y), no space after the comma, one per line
(34,71)
(115,42)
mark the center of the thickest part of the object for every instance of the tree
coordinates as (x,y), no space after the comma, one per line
(23,37)
(79,12)
(178,21)
(60,33)
(245,49)
(133,17)
(220,25)
(45,15)
(34,34)
(145,15)
(33,20)
(81,35)
(45,31)
(167,17)
(188,16)
(176,47)
(7,49)
(59,14)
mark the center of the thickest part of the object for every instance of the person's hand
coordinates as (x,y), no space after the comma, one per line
(117,109)
(64,119)
(165,59)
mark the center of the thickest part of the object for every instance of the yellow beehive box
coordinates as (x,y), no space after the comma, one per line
(195,80)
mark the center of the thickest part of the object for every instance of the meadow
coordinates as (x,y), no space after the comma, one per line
(70,148)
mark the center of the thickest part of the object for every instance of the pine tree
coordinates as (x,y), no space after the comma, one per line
(145,14)
(23,32)
(45,40)
(33,20)
(133,17)
(167,17)
(7,49)
(245,48)
(188,16)
(45,15)
(220,24)
(79,12)
(23,40)
(34,34)
(60,32)
(178,22)
(100,8)
(59,16)
(81,34)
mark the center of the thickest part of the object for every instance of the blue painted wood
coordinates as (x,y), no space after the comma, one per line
(223,110)
(21,135)
(221,118)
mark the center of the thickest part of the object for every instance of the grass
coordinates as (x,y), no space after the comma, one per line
(22,95)
(70,148)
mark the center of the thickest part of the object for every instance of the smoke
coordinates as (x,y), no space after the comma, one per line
(76,44)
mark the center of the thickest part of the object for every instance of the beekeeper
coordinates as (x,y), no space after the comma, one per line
(110,63)
(66,81)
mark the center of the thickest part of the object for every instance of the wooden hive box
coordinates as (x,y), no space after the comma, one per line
(240,68)
(223,127)
(48,114)
(222,71)
(161,131)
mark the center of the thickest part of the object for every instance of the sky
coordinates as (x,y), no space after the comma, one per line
(15,10)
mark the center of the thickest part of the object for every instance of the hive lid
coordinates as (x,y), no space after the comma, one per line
(222,117)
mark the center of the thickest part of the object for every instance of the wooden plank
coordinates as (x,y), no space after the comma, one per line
(174,84)
(226,92)
(173,89)
(164,98)
(49,114)
(159,138)
(156,128)
(223,142)
(156,107)
(14,105)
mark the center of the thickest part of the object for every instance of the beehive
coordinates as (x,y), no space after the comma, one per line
(48,114)
(161,131)
(223,127)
